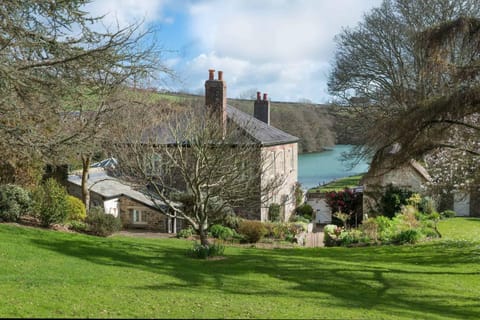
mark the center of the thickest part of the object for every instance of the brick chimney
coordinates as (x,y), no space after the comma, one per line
(261,108)
(216,96)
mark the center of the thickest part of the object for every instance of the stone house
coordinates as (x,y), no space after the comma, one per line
(279,148)
(411,176)
(135,209)
(414,177)
(276,147)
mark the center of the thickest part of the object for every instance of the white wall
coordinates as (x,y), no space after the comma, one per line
(111,206)
(461,204)
(321,210)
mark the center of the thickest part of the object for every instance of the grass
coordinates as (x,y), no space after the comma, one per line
(53,274)
(339,184)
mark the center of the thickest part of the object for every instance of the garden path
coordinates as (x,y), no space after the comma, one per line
(315,238)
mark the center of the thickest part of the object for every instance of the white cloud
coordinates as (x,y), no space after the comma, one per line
(126,12)
(284,46)
(267,30)
(291,82)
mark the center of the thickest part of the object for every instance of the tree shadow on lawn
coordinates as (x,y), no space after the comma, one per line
(355,278)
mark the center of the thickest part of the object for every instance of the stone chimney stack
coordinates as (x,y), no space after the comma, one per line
(216,96)
(261,108)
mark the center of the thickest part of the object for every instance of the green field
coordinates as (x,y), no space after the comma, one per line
(53,274)
(339,185)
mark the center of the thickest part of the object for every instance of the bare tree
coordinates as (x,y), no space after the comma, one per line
(58,75)
(195,165)
(415,63)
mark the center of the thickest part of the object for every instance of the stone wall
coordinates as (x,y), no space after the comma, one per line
(154,220)
(281,161)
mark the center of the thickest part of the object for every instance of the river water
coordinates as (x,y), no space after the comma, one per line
(321,167)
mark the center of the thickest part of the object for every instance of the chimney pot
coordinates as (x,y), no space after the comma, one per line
(261,108)
(211,73)
(220,75)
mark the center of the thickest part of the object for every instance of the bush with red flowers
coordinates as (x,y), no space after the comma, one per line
(348,202)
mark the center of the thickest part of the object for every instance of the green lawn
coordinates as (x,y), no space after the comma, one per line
(54,274)
(339,185)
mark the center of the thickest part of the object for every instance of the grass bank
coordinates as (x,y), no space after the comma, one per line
(53,274)
(339,184)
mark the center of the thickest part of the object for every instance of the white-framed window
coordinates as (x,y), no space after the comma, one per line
(139,216)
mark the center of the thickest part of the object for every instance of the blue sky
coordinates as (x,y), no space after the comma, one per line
(283,47)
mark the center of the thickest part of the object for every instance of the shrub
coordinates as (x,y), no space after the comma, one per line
(300,226)
(204,251)
(370,229)
(343,217)
(429,232)
(407,236)
(305,211)
(281,231)
(50,203)
(101,224)
(252,230)
(427,205)
(299,196)
(408,218)
(78,226)
(76,209)
(301,219)
(14,202)
(448,214)
(220,232)
(269,226)
(349,237)
(231,220)
(346,201)
(185,233)
(414,200)
(393,199)
(331,234)
(284,230)
(386,228)
(329,228)
(274,212)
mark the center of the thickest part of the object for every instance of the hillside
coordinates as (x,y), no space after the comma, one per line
(313,124)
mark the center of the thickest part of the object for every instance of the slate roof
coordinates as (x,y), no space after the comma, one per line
(109,187)
(261,132)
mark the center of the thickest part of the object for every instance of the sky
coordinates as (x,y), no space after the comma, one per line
(282,47)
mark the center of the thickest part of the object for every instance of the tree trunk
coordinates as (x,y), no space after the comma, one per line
(202,232)
(86,158)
